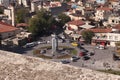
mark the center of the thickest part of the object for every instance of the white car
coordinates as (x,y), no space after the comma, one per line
(63,37)
(48,42)
(40,42)
(97,47)
(60,40)
(28,45)
(101,48)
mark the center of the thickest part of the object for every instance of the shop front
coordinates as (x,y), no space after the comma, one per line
(101,42)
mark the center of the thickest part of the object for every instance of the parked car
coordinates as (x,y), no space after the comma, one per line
(84,50)
(101,48)
(41,42)
(43,51)
(49,41)
(75,44)
(32,44)
(82,54)
(63,37)
(75,58)
(86,58)
(60,40)
(97,47)
(91,53)
(65,61)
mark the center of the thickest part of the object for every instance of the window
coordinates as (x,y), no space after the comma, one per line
(116,37)
(113,21)
(110,37)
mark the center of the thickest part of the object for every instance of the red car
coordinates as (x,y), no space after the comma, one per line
(81,54)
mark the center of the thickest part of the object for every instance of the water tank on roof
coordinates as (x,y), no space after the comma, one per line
(115,30)
(74,6)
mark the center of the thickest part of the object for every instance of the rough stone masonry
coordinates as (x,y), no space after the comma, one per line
(18,67)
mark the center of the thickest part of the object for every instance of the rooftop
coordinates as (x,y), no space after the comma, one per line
(105,8)
(117,26)
(99,30)
(22,24)
(4,27)
(77,22)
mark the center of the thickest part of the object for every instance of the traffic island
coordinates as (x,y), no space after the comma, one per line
(63,52)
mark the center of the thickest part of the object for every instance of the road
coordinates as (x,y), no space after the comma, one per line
(95,62)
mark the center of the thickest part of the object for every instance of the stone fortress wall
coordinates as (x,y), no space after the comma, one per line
(19,67)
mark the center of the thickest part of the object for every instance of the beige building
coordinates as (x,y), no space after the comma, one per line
(114,4)
(73,28)
(7,30)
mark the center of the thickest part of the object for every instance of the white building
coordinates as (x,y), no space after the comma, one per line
(103,13)
(109,36)
(113,20)
(112,38)
(24,2)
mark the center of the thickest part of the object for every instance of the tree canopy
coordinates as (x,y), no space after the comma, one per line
(41,22)
(1,11)
(21,15)
(87,35)
(63,19)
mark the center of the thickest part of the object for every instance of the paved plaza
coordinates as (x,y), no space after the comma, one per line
(95,62)
(98,60)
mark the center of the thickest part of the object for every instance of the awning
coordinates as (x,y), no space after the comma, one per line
(100,40)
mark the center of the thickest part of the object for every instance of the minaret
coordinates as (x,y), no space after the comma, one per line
(12,7)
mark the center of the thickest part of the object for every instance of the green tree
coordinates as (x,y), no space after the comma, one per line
(0,39)
(63,19)
(1,11)
(21,15)
(67,0)
(41,22)
(87,35)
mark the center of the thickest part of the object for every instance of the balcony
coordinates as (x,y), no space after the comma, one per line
(100,38)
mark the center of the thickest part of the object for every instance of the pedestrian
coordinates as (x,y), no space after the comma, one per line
(93,62)
(82,64)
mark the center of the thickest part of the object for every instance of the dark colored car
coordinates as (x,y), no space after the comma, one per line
(91,53)
(75,58)
(86,58)
(65,61)
(85,50)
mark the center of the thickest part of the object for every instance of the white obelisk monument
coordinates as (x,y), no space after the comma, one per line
(54,44)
